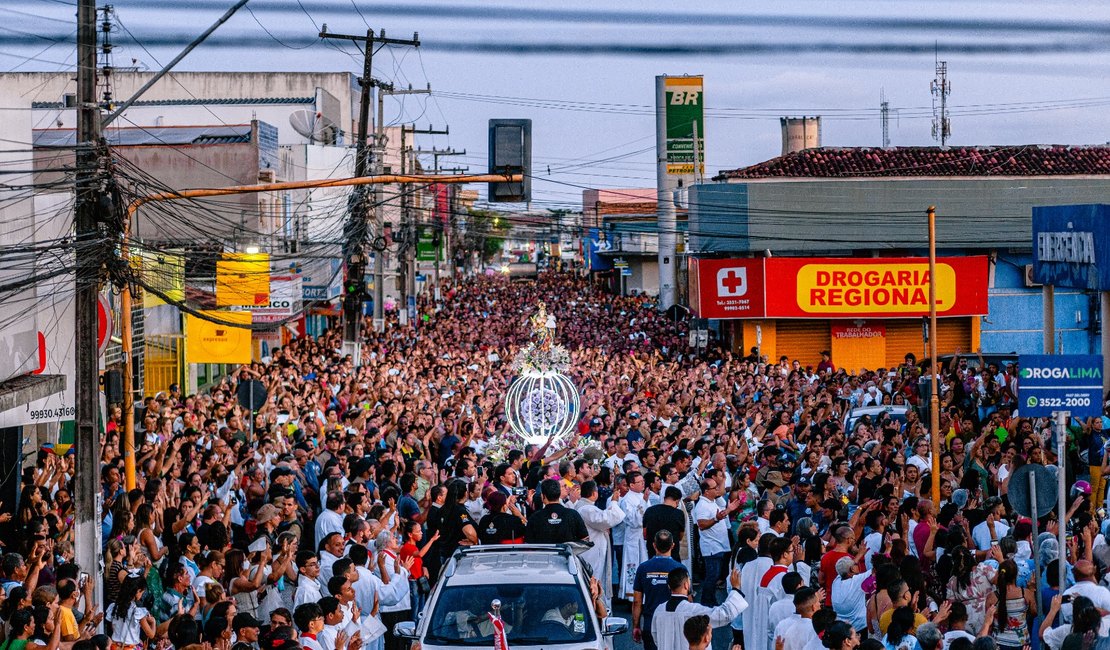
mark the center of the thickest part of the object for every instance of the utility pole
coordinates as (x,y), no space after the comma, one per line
(89,195)
(380,144)
(441,227)
(941,88)
(355,253)
(409,225)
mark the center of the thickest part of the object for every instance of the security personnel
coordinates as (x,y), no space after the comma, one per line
(554,523)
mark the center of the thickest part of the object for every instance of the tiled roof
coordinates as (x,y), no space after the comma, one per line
(202,101)
(1022,160)
(151,135)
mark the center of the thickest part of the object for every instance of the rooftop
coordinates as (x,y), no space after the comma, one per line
(198,101)
(151,135)
(854,162)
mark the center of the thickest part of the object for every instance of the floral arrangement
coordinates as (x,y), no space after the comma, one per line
(533,358)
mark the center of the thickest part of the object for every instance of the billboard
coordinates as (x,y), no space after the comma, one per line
(874,287)
(683,99)
(849,288)
(1071,246)
(208,342)
(286,299)
(243,279)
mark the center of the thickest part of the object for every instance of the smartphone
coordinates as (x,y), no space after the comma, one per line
(82,579)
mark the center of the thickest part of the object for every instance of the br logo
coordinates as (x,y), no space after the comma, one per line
(1031,402)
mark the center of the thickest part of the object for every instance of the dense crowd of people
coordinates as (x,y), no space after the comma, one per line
(720,490)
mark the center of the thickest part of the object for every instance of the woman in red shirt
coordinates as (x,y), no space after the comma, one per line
(419,578)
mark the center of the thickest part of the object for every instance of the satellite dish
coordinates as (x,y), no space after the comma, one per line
(1019,492)
(313,125)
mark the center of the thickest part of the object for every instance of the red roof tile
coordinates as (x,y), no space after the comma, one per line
(1021,160)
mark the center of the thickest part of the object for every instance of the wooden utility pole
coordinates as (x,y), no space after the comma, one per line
(89,195)
(355,247)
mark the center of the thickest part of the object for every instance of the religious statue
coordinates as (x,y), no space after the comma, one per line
(543,328)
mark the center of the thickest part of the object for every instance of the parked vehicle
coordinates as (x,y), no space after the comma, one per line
(541,592)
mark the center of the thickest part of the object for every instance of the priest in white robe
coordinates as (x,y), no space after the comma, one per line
(599,522)
(666,624)
(635,547)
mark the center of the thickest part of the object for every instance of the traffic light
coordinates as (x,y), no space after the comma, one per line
(510,152)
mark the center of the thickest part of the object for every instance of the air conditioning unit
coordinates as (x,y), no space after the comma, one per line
(266,176)
(1029,277)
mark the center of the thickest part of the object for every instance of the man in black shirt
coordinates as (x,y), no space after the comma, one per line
(554,523)
(667,516)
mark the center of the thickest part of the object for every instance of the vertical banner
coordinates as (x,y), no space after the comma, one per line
(683,103)
(243,279)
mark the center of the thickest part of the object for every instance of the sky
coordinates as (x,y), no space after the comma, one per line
(1020,72)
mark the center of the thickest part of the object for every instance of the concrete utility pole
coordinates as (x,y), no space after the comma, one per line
(442,229)
(89,195)
(355,249)
(409,225)
(380,143)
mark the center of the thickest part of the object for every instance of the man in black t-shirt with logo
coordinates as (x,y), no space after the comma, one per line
(667,516)
(554,523)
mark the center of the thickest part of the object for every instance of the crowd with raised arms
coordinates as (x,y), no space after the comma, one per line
(719,489)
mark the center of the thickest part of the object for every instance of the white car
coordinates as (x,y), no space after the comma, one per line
(540,590)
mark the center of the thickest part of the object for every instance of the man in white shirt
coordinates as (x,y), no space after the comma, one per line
(1086,585)
(797,630)
(982,535)
(308,589)
(848,598)
(331,519)
(713,526)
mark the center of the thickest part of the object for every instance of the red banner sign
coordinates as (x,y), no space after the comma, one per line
(729,288)
(854,288)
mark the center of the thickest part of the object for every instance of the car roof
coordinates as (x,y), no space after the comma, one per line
(873,410)
(523,564)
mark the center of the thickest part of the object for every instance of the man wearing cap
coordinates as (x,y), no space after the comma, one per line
(246,627)
(268,518)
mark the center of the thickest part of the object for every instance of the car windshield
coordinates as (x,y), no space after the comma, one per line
(532,614)
(898,416)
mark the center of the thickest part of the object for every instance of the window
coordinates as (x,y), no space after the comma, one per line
(533,614)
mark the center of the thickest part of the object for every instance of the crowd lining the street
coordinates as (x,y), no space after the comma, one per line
(723,490)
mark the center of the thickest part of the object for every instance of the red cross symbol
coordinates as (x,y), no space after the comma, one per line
(732,281)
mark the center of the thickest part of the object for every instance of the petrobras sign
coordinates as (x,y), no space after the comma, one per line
(1071,246)
(1063,382)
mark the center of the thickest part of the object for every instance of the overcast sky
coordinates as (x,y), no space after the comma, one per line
(1035,73)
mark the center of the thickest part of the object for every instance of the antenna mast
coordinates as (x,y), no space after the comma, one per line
(884,117)
(940,88)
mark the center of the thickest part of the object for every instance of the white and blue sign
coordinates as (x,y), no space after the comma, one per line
(1062,382)
(1071,246)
